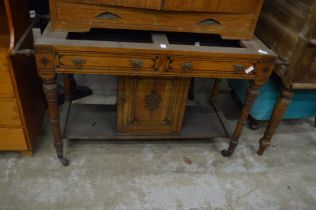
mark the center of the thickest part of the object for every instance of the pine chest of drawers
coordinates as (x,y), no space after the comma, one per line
(232,19)
(22,105)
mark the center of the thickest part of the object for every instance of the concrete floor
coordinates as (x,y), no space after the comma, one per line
(167,175)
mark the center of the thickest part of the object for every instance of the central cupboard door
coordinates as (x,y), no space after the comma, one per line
(145,4)
(151,105)
(222,6)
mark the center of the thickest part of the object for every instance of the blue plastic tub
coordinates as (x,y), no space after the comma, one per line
(303,104)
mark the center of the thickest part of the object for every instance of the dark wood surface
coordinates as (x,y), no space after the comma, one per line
(288,27)
(231,19)
(21,98)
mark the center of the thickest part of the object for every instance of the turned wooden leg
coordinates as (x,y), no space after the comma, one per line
(277,115)
(50,90)
(252,94)
(215,89)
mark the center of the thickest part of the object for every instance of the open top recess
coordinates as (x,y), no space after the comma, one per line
(154,41)
(177,38)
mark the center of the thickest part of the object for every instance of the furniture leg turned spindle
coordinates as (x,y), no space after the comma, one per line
(276,118)
(252,94)
(50,90)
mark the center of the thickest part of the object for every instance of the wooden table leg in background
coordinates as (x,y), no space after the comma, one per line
(252,94)
(215,89)
(50,90)
(276,118)
(69,84)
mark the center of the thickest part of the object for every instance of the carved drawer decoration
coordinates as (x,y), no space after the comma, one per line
(204,66)
(111,62)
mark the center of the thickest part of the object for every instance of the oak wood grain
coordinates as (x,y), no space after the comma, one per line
(12,139)
(9,112)
(231,19)
(6,87)
(146,4)
(218,6)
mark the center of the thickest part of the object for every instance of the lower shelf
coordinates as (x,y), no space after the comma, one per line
(99,122)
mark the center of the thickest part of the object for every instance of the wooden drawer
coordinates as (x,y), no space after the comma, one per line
(202,67)
(9,112)
(217,6)
(12,139)
(147,4)
(78,17)
(108,62)
(6,87)
(224,6)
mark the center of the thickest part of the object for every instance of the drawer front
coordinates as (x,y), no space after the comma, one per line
(9,113)
(146,4)
(73,17)
(6,87)
(12,139)
(205,66)
(108,62)
(224,6)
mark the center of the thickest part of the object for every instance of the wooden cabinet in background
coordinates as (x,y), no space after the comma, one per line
(289,28)
(232,19)
(22,103)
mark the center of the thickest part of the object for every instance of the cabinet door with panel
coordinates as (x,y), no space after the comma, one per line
(151,105)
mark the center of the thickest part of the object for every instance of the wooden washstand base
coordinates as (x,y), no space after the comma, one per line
(77,53)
